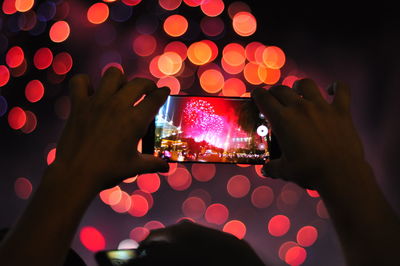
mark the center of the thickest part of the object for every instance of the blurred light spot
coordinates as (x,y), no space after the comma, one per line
(321,210)
(234,54)
(112,64)
(212,81)
(193,207)
(98,13)
(251,73)
(16,118)
(139,233)
(172,169)
(30,124)
(9,7)
(201,193)
(147,196)
(120,12)
(19,70)
(295,256)
(124,203)
(262,197)
(34,91)
(144,45)
(274,57)
(285,247)
(3,106)
(269,76)
(243,165)
(15,56)
(153,225)
(193,3)
(180,179)
(109,197)
(212,8)
(199,53)
(46,11)
(27,20)
(251,49)
(130,180)
(92,239)
(153,68)
(213,47)
(175,25)
(131,2)
(231,69)
(258,168)
(290,194)
(238,186)
(278,225)
(4,75)
(289,80)
(177,47)
(149,183)
(59,31)
(312,193)
(307,236)
(169,63)
(62,63)
(23,5)
(212,26)
(237,7)
(203,172)
(51,156)
(233,87)
(236,228)
(170,82)
(128,244)
(139,206)
(43,58)
(23,187)
(244,24)
(217,213)
(170,4)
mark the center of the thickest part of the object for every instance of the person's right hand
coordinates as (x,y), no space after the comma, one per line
(317,139)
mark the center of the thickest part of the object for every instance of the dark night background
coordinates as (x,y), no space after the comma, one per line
(331,41)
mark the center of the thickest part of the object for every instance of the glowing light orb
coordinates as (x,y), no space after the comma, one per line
(203,172)
(144,45)
(217,213)
(238,186)
(92,239)
(233,87)
(34,91)
(177,47)
(23,5)
(278,225)
(234,54)
(289,80)
(43,58)
(139,233)
(23,187)
(307,236)
(139,206)
(4,75)
(244,23)
(169,4)
(251,73)
(98,13)
(237,7)
(128,244)
(193,207)
(171,82)
(180,180)
(149,183)
(124,204)
(199,53)
(212,26)
(169,63)
(9,7)
(262,197)
(59,31)
(295,256)
(212,81)
(15,57)
(172,169)
(236,228)
(285,247)
(274,57)
(131,2)
(51,156)
(212,8)
(62,63)
(175,25)
(321,210)
(16,118)
(153,225)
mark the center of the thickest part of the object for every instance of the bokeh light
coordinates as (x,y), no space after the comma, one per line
(139,233)
(59,31)
(171,82)
(233,87)
(212,8)
(238,186)
(244,23)
(92,239)
(139,205)
(144,45)
(236,228)
(62,63)
(51,156)
(274,57)
(212,81)
(34,90)
(262,197)
(4,75)
(170,4)
(175,25)
(23,187)
(295,256)
(193,207)
(203,172)
(307,236)
(169,63)
(149,183)
(16,118)
(15,57)
(180,180)
(217,213)
(24,5)
(278,225)
(98,13)
(43,58)
(199,53)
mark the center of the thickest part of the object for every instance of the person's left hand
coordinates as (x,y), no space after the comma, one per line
(99,142)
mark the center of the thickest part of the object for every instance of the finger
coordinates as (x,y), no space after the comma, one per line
(112,79)
(308,89)
(266,103)
(285,95)
(342,96)
(151,164)
(276,169)
(79,89)
(132,91)
(150,105)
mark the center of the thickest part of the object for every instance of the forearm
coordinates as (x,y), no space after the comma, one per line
(43,234)
(368,228)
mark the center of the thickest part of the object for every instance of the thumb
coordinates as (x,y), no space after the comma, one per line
(276,169)
(150,164)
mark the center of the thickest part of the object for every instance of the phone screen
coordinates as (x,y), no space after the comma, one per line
(211,130)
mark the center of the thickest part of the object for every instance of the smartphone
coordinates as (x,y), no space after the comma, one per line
(115,257)
(210,129)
